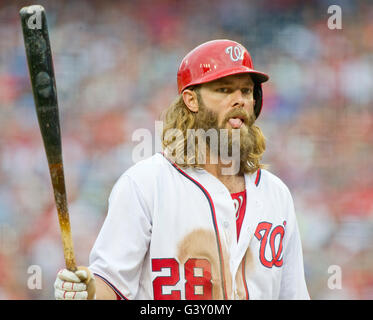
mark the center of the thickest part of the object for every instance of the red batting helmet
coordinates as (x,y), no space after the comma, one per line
(217,59)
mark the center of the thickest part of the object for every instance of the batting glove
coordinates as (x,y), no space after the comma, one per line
(79,285)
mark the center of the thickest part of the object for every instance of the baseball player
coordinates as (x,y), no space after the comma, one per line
(193,224)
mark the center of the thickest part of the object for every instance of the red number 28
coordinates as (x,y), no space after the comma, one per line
(198,283)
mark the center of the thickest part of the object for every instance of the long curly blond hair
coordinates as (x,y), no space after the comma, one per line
(179,121)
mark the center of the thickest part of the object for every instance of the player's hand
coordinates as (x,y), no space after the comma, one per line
(79,285)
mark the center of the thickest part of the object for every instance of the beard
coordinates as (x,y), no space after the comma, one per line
(232,145)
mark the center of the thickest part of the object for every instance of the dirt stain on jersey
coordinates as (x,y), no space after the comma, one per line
(201,244)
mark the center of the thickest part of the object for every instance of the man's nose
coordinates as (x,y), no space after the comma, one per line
(238,99)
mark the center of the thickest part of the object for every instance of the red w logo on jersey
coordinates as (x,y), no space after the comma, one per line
(267,236)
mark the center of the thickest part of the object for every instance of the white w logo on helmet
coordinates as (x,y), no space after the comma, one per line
(235,53)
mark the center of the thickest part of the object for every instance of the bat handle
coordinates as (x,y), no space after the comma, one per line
(58,181)
(68,250)
(69,258)
(67,243)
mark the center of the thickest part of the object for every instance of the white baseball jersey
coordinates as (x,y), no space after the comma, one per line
(170,233)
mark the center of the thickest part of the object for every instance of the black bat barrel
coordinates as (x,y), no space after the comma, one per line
(39,58)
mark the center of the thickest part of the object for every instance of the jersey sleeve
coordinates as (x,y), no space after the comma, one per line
(293,283)
(123,240)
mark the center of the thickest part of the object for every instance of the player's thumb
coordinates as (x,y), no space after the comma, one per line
(86,276)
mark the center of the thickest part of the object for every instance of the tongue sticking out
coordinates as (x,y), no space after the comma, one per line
(235,122)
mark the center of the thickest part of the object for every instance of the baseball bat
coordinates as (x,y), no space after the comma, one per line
(40,64)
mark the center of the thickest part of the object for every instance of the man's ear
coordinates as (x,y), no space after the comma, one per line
(190,100)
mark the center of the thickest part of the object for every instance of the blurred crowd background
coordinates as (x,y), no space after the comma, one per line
(115,65)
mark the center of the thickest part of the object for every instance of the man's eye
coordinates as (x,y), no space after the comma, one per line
(246,90)
(223,90)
